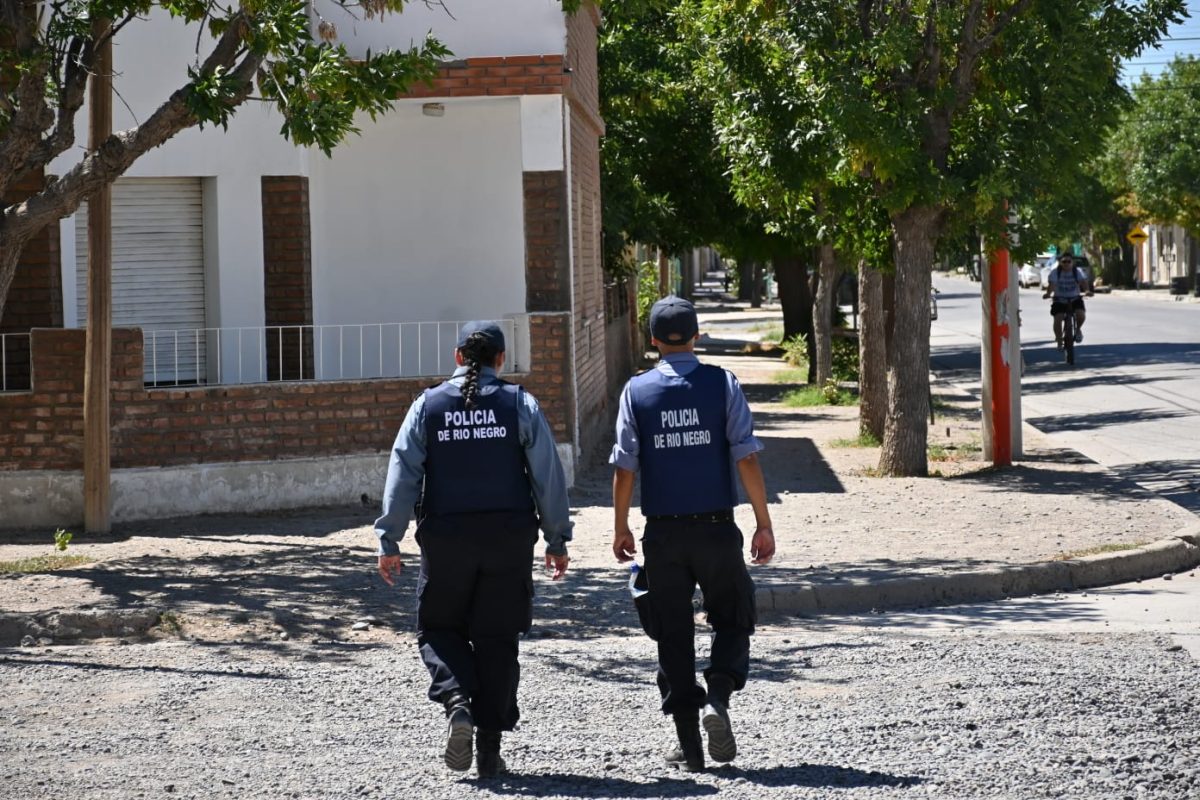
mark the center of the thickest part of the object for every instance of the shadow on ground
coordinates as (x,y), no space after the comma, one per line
(1177,480)
(1056,481)
(800,775)
(794,465)
(314,522)
(1075,421)
(317,593)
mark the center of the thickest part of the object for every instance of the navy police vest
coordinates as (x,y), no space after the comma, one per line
(474,460)
(683,453)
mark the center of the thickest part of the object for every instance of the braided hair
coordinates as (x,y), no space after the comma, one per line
(478,352)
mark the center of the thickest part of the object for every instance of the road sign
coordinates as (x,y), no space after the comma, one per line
(1137,235)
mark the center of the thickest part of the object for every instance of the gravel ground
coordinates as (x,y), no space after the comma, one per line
(845,714)
(286,668)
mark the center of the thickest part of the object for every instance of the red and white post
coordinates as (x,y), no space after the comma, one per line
(1001,365)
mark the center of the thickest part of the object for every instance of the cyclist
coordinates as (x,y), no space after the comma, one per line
(1067,286)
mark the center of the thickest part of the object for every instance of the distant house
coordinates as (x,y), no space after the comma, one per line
(1168,252)
(290,305)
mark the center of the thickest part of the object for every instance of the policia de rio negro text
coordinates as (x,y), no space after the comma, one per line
(478,454)
(685,425)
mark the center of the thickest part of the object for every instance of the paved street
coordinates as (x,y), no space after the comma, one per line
(1132,400)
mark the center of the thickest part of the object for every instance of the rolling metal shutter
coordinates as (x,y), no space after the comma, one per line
(158,272)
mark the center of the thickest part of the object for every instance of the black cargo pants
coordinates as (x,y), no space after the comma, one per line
(681,554)
(474,600)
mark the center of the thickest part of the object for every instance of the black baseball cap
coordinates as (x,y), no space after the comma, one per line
(490,330)
(673,321)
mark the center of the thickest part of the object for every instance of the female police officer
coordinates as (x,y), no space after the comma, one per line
(685,425)
(478,454)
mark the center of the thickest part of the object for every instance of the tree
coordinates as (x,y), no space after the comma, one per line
(946,109)
(664,179)
(47,53)
(1162,136)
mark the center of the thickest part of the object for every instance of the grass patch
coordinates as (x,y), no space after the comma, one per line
(957,451)
(810,396)
(865,439)
(1095,551)
(38,564)
(170,623)
(771,331)
(790,376)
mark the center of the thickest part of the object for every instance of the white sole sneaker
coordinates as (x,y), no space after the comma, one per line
(721,744)
(459,741)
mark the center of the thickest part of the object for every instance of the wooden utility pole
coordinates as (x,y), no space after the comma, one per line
(98,357)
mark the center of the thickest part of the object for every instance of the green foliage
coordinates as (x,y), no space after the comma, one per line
(864,439)
(170,623)
(795,352)
(845,357)
(809,396)
(664,181)
(62,538)
(789,376)
(885,101)
(1162,137)
(41,564)
(316,85)
(647,293)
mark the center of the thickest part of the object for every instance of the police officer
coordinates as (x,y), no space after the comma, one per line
(478,455)
(687,428)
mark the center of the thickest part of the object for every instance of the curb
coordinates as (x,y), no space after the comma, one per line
(1174,554)
(62,627)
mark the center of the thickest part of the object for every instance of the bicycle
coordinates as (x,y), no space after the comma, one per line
(1068,330)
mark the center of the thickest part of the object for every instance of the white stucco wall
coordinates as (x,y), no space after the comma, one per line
(421,218)
(470,28)
(150,61)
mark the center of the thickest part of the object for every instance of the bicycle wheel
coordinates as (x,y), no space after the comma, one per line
(1069,339)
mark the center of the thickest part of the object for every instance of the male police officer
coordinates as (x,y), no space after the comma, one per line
(686,425)
(479,454)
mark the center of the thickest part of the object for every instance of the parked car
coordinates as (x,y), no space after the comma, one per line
(1029,275)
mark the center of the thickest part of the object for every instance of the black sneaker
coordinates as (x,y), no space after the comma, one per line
(488,761)
(689,755)
(459,735)
(692,763)
(489,765)
(721,744)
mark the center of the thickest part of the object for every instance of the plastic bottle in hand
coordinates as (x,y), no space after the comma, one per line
(635,571)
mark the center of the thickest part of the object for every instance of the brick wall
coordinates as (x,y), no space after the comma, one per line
(287,267)
(500,76)
(43,428)
(547,278)
(595,401)
(35,297)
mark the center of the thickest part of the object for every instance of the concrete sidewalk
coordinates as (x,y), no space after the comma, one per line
(847,539)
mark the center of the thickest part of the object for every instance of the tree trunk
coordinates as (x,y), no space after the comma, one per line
(10,254)
(745,279)
(794,296)
(889,313)
(823,315)
(756,272)
(796,300)
(916,232)
(872,354)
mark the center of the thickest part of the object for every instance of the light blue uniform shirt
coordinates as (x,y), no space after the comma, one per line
(406,470)
(739,424)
